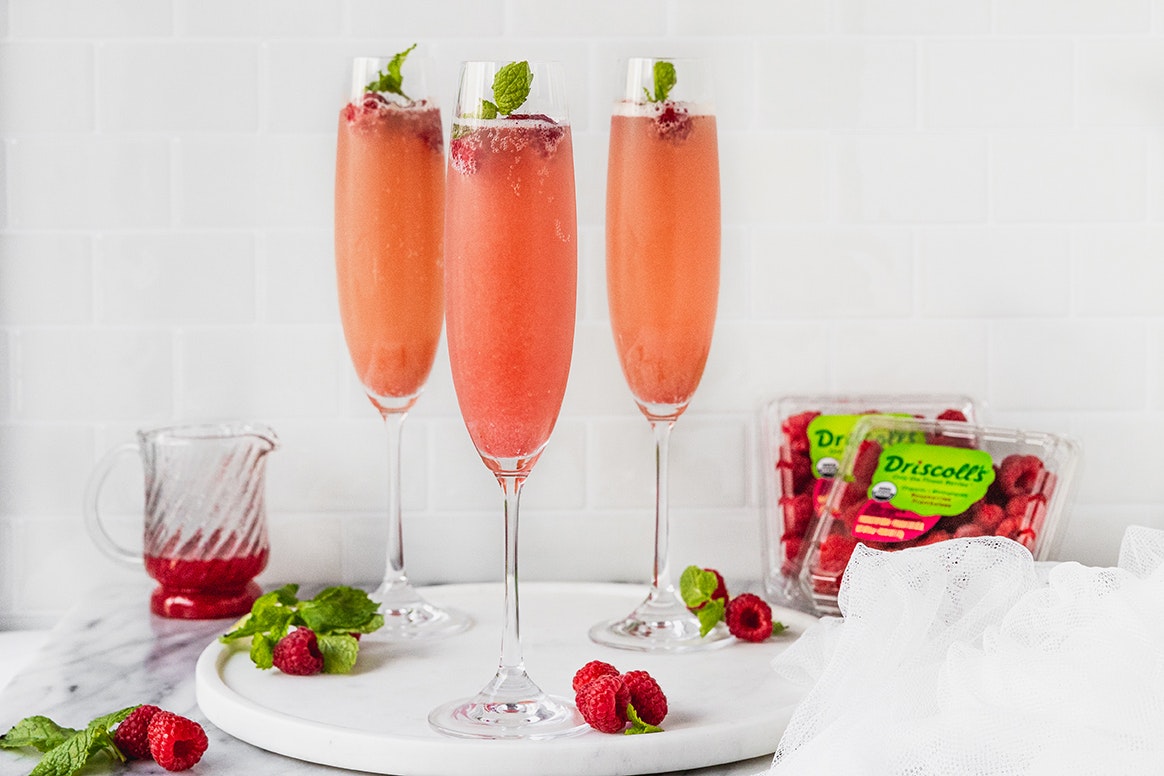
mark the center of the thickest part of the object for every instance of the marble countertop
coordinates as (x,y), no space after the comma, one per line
(110,652)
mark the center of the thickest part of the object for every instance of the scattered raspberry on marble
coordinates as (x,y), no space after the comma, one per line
(132,735)
(176,742)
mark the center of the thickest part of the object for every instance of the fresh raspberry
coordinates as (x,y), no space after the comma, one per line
(1008,527)
(720,586)
(463,155)
(797,513)
(131,736)
(969,529)
(792,545)
(602,703)
(1024,507)
(374,101)
(795,474)
(298,653)
(176,743)
(957,415)
(673,122)
(591,671)
(646,696)
(865,465)
(933,537)
(1020,475)
(795,428)
(835,552)
(988,516)
(748,617)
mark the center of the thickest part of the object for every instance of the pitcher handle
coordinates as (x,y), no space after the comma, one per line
(93,520)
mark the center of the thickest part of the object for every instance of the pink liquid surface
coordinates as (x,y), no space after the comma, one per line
(511,279)
(662,254)
(389,222)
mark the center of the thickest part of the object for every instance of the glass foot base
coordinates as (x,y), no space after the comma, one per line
(408,617)
(510,706)
(660,624)
(538,717)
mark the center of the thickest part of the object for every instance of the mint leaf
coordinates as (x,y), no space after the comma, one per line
(339,652)
(778,627)
(375,623)
(511,87)
(665,80)
(109,720)
(696,586)
(709,614)
(390,79)
(76,748)
(70,756)
(637,725)
(337,609)
(488,110)
(38,732)
(263,650)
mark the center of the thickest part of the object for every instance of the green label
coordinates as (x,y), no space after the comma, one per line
(828,435)
(931,479)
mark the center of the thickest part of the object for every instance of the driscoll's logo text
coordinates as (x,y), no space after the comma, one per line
(965,473)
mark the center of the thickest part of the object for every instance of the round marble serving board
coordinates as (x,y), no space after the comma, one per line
(725,704)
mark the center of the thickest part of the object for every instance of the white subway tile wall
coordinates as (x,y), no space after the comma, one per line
(919,195)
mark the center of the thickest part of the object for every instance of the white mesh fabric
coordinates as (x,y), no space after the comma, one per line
(962,658)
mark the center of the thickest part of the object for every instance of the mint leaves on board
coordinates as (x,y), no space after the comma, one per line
(66,750)
(665,80)
(511,88)
(390,79)
(335,614)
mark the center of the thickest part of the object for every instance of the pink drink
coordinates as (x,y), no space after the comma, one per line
(389,221)
(662,249)
(510,280)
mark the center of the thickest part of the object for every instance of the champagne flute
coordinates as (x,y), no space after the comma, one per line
(662,281)
(511,281)
(389,223)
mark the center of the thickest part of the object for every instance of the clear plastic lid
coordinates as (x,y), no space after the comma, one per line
(802,440)
(907,482)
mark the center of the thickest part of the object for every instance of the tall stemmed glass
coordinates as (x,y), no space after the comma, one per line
(389,234)
(662,280)
(510,278)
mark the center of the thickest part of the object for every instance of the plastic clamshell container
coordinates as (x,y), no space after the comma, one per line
(797,467)
(906,482)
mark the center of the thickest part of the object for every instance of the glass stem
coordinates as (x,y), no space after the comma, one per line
(394,576)
(512,663)
(661,574)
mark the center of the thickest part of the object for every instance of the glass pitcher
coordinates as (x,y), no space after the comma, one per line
(205,531)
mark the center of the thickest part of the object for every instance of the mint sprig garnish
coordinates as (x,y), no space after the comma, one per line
(665,80)
(511,87)
(696,588)
(334,614)
(66,750)
(390,80)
